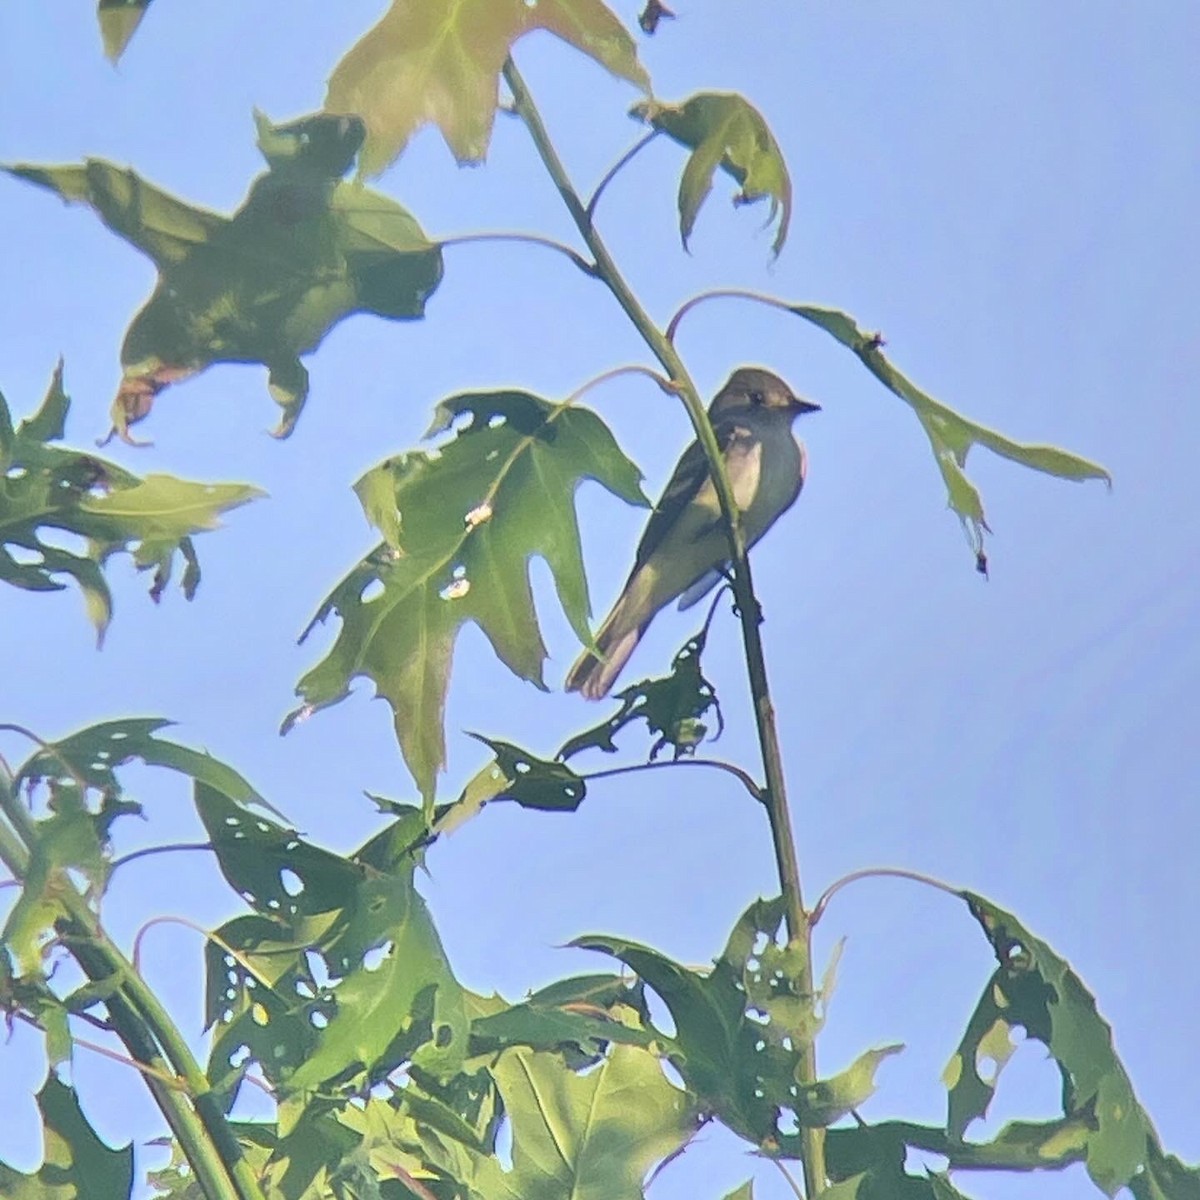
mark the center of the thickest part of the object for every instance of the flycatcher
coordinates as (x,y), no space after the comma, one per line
(685,546)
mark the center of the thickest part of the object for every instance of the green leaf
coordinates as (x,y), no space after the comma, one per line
(722,129)
(534,782)
(92,757)
(578,1018)
(77,1165)
(119,20)
(673,707)
(1165,1178)
(391,995)
(473,512)
(951,435)
(1036,989)
(304,251)
(439,64)
(46,489)
(740,1030)
(745,1192)
(585,1137)
(828,1100)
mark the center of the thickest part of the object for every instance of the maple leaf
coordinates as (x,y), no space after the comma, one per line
(440,62)
(46,488)
(470,515)
(305,250)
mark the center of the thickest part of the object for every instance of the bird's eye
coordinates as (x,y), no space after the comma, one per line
(757,398)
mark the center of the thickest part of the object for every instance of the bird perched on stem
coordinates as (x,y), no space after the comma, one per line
(685,547)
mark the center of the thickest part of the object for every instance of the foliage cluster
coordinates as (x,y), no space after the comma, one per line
(332,991)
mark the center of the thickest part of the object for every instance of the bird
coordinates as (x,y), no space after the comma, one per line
(684,550)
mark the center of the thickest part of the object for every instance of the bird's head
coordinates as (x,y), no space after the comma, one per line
(751,388)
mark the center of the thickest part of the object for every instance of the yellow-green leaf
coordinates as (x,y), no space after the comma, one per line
(438,62)
(950,434)
(722,129)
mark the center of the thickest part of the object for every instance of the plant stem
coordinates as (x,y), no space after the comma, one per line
(775,797)
(142,1024)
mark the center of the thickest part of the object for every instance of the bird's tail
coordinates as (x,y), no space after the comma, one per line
(594,674)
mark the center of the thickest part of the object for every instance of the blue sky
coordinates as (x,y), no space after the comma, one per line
(1009,193)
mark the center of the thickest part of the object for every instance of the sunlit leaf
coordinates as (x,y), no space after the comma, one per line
(77,1164)
(585,1137)
(1035,989)
(119,20)
(303,251)
(48,490)
(950,435)
(387,995)
(740,1030)
(472,514)
(440,64)
(722,129)
(829,1100)
(673,707)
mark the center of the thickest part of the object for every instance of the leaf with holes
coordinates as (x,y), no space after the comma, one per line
(473,512)
(585,1137)
(950,435)
(673,707)
(829,1100)
(439,63)
(77,1164)
(119,20)
(384,992)
(48,490)
(1037,990)
(534,782)
(304,251)
(92,757)
(576,1018)
(740,1029)
(723,129)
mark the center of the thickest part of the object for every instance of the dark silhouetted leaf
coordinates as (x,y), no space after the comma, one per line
(119,20)
(78,1165)
(46,488)
(265,285)
(534,782)
(440,64)
(1036,989)
(950,435)
(722,129)
(673,708)
(471,515)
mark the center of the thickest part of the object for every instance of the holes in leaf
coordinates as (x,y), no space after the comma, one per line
(290,882)
(240,1056)
(318,1020)
(373,590)
(671,1071)
(496,420)
(233,821)
(788,1123)
(64,539)
(458,586)
(25,557)
(374,958)
(15,473)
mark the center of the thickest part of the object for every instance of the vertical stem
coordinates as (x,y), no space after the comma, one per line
(775,796)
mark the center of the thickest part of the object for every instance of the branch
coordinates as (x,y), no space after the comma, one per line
(788,868)
(716,764)
(722,294)
(612,171)
(533,239)
(877,873)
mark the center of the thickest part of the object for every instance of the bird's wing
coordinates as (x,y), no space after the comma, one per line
(691,474)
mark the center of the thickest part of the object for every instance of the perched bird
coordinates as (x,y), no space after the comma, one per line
(685,546)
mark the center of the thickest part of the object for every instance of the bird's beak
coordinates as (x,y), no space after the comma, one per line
(804,406)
